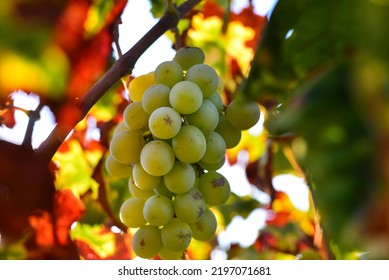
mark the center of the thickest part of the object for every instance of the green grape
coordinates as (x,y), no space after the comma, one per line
(181,178)
(176,235)
(189,56)
(216,148)
(155,96)
(205,228)
(147,241)
(168,73)
(205,118)
(126,146)
(189,207)
(119,128)
(144,180)
(213,166)
(138,86)
(217,100)
(166,254)
(165,122)
(230,134)
(157,158)
(242,113)
(163,190)
(117,169)
(185,97)
(205,77)
(137,192)
(189,144)
(158,210)
(131,212)
(214,187)
(135,117)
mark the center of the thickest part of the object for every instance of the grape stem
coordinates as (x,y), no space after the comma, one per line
(123,66)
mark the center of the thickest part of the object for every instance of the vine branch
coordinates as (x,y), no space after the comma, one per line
(122,67)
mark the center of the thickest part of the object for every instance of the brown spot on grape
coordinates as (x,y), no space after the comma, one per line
(168,120)
(197,195)
(200,212)
(142,243)
(218,182)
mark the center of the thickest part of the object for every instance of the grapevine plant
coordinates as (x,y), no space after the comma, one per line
(133,165)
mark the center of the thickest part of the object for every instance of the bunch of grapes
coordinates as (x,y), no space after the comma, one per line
(172,141)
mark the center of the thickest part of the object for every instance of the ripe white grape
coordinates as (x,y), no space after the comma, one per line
(186,97)
(131,212)
(135,191)
(144,180)
(155,96)
(216,148)
(217,100)
(117,169)
(176,235)
(168,73)
(147,241)
(230,134)
(158,210)
(135,117)
(242,113)
(166,254)
(214,166)
(205,118)
(189,56)
(189,207)
(205,228)
(181,178)
(126,146)
(119,128)
(138,86)
(205,77)
(165,122)
(157,158)
(163,190)
(214,187)
(189,144)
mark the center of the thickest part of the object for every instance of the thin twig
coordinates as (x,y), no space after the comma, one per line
(33,116)
(122,67)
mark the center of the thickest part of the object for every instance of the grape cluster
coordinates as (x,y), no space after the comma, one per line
(172,141)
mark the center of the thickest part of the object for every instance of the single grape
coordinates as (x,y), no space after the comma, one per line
(137,192)
(163,190)
(158,210)
(205,228)
(216,148)
(117,169)
(214,187)
(242,113)
(217,100)
(131,212)
(144,180)
(135,117)
(126,146)
(189,207)
(165,122)
(168,73)
(181,178)
(176,235)
(205,118)
(205,77)
(214,166)
(230,134)
(189,144)
(155,96)
(185,97)
(138,86)
(189,56)
(119,128)
(147,241)
(166,254)
(157,158)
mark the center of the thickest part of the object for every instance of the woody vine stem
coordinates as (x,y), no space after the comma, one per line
(122,67)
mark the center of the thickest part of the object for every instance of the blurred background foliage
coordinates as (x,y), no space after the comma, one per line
(318,70)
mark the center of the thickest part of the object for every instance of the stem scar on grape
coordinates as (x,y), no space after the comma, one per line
(218,182)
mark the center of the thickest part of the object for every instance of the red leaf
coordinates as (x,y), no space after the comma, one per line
(68,209)
(212,9)
(7,117)
(42,224)
(279,219)
(85,251)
